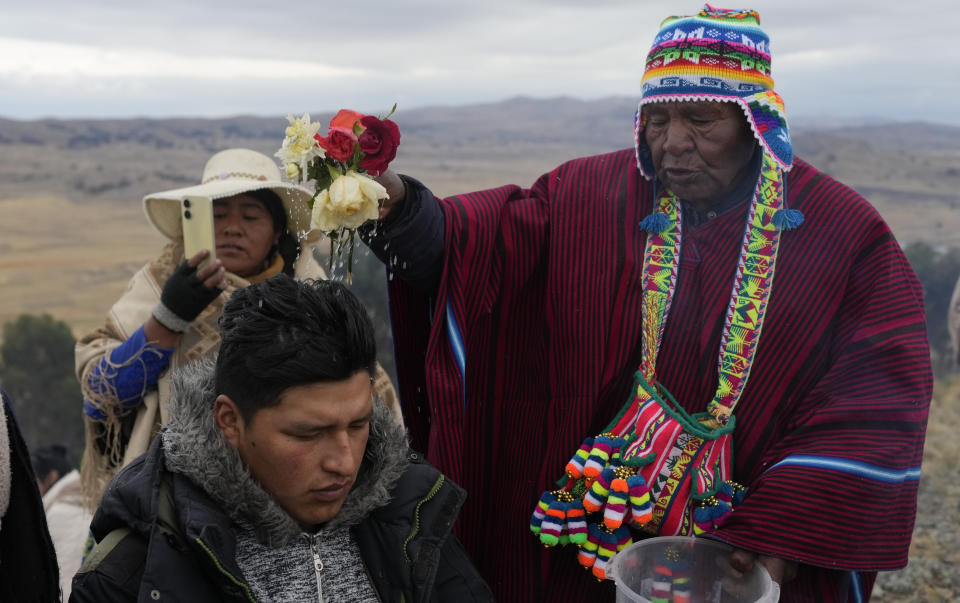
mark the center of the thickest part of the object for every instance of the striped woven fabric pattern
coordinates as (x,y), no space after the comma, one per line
(544,287)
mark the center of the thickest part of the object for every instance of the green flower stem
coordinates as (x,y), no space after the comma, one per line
(334,172)
(350,260)
(330,267)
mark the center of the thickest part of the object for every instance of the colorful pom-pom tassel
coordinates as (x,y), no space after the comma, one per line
(709,515)
(641,509)
(577,522)
(553,523)
(599,456)
(540,511)
(624,538)
(611,543)
(575,466)
(596,496)
(605,552)
(617,500)
(787,219)
(587,553)
(655,223)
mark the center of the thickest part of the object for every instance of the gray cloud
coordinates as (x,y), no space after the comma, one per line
(179,57)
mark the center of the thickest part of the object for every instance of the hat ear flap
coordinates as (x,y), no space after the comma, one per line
(769,122)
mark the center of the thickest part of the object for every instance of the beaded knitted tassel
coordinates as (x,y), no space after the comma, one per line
(709,515)
(596,496)
(611,543)
(554,520)
(737,495)
(616,508)
(575,466)
(641,510)
(540,511)
(577,522)
(605,552)
(714,510)
(587,553)
(599,456)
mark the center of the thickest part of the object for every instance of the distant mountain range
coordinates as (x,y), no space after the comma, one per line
(455,149)
(72,229)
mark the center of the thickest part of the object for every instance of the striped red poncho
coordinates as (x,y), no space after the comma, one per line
(534,335)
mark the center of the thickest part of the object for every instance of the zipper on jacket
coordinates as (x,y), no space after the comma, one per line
(223,570)
(416,516)
(317,565)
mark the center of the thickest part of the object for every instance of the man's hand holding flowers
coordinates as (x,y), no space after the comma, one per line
(338,164)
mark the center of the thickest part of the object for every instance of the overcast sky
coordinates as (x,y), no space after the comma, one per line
(211,58)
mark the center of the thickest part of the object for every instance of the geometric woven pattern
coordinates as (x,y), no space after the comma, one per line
(718,55)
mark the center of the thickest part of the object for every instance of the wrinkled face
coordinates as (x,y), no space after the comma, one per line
(700,149)
(305,451)
(244,234)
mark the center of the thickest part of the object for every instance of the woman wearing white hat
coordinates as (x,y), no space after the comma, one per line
(168,314)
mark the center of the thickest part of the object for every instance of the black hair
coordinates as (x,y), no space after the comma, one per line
(288,246)
(50,458)
(281,333)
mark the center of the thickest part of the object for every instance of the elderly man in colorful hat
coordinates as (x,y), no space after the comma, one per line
(167,317)
(702,336)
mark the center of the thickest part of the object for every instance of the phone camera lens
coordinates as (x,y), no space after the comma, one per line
(186,214)
(186,202)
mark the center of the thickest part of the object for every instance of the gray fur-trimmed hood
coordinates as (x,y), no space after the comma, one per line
(193,446)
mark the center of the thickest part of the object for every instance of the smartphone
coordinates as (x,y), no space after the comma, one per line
(196,215)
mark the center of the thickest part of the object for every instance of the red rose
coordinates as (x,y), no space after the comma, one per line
(338,144)
(379,142)
(345,118)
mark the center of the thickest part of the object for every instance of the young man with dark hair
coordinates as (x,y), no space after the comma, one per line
(280,476)
(50,463)
(68,518)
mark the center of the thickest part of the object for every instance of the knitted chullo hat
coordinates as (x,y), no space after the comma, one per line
(716,55)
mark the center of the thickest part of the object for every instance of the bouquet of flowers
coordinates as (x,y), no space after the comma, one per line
(340,165)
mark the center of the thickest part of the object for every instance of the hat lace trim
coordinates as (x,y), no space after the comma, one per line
(230,175)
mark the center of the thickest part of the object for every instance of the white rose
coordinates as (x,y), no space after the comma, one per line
(351,200)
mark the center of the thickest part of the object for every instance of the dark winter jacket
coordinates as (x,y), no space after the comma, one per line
(28,561)
(186,542)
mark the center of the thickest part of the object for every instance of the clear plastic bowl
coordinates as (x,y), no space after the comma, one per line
(680,569)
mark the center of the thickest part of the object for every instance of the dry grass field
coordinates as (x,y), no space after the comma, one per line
(69,259)
(72,230)
(933,574)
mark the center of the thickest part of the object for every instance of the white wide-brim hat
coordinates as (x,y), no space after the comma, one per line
(229,173)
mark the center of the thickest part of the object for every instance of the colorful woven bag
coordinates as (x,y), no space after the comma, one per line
(657,467)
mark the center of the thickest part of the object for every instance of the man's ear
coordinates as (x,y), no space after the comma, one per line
(228,419)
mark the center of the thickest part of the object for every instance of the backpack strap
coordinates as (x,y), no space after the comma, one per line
(167,520)
(137,547)
(104,547)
